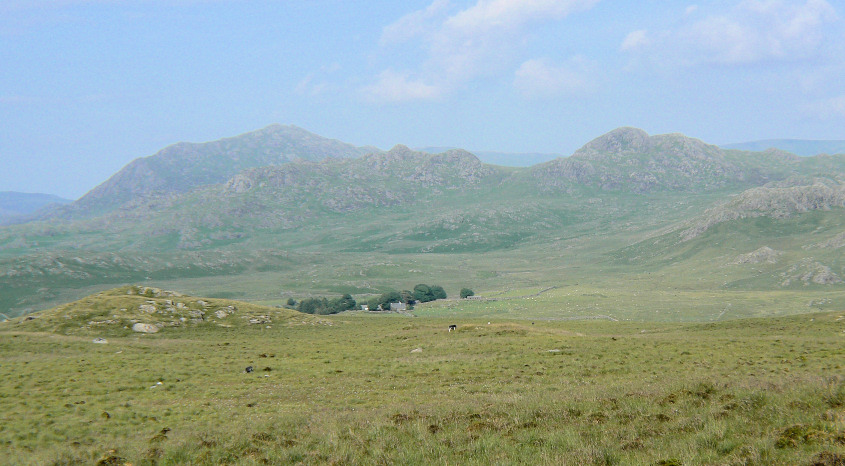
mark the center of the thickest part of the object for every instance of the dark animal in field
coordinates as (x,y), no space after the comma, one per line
(453,327)
(248,369)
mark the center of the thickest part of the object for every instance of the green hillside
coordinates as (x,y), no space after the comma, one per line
(624,209)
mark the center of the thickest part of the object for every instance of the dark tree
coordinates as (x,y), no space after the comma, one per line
(466,293)
(407,297)
(323,306)
(309,305)
(423,294)
(389,297)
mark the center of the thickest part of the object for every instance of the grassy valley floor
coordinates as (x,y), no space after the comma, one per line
(365,389)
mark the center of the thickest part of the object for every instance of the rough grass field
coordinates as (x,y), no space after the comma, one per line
(364,389)
(644,302)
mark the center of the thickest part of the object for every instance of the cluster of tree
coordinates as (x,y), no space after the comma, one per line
(421,294)
(424,293)
(324,306)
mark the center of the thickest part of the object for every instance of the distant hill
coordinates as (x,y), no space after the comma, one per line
(625,203)
(16,205)
(27,203)
(801,147)
(506,159)
(628,159)
(185,166)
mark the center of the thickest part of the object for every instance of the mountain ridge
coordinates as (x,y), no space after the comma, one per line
(184,166)
(19,207)
(629,159)
(802,147)
(339,222)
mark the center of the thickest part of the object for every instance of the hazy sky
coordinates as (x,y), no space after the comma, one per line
(88,85)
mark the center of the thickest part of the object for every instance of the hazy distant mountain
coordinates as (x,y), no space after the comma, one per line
(506,159)
(628,159)
(184,166)
(796,146)
(16,205)
(352,219)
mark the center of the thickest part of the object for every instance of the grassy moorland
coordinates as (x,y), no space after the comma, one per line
(357,388)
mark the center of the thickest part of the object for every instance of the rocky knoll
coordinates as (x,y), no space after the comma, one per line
(147,310)
(774,202)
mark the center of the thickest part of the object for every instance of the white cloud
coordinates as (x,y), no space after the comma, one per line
(538,78)
(477,40)
(635,40)
(827,109)
(498,15)
(395,87)
(752,31)
(483,39)
(414,24)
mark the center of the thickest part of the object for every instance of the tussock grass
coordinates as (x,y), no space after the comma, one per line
(764,391)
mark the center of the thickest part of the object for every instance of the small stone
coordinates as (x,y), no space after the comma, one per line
(416,350)
(144,328)
(101,341)
(149,308)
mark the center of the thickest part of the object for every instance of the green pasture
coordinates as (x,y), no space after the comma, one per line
(632,303)
(362,388)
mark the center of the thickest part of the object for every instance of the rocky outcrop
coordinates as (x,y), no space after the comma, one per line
(836,242)
(780,202)
(763,255)
(809,271)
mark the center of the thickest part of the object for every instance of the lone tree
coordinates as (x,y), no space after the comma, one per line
(466,293)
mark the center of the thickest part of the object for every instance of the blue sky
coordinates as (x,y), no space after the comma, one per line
(88,85)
